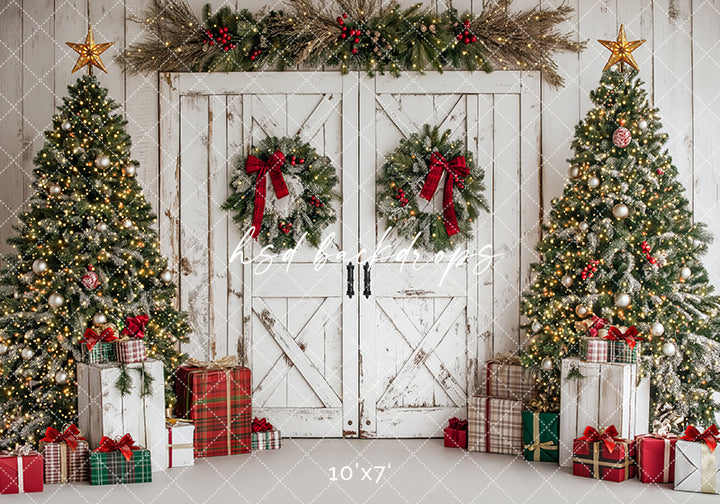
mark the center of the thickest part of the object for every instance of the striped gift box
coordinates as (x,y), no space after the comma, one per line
(495,425)
(268,440)
(620,351)
(510,381)
(63,465)
(102,353)
(111,468)
(131,350)
(593,349)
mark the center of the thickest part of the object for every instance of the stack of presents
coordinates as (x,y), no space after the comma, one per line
(602,427)
(125,437)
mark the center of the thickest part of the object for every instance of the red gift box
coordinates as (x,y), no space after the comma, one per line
(602,455)
(456,433)
(218,403)
(655,458)
(21,471)
(131,351)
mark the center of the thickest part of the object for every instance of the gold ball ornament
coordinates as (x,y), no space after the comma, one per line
(567,280)
(54,190)
(536,326)
(39,266)
(642,125)
(593,182)
(3,349)
(65,125)
(129,170)
(583,226)
(101,226)
(61,377)
(56,300)
(581,311)
(99,319)
(546,364)
(574,172)
(27,353)
(620,211)
(127,223)
(166,276)
(102,161)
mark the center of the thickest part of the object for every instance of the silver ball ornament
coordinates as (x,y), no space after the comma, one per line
(546,364)
(642,124)
(574,172)
(99,319)
(581,311)
(27,353)
(102,161)
(166,276)
(56,300)
(127,223)
(593,182)
(61,377)
(620,211)
(685,273)
(536,326)
(622,300)
(101,226)
(668,349)
(39,266)
(65,125)
(583,226)
(567,280)
(3,349)
(657,329)
(129,170)
(54,190)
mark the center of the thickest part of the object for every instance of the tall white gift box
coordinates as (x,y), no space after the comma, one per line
(180,437)
(697,469)
(103,411)
(600,394)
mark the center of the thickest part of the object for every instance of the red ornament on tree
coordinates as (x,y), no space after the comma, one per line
(91,279)
(621,137)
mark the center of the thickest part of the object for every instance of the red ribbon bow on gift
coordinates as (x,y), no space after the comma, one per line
(135,326)
(456,423)
(272,166)
(91,338)
(608,436)
(124,445)
(709,436)
(71,436)
(261,425)
(456,171)
(597,324)
(630,336)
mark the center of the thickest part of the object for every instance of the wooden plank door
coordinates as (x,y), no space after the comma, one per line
(290,322)
(421,338)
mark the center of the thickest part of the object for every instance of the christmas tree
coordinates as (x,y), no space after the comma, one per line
(86,255)
(621,244)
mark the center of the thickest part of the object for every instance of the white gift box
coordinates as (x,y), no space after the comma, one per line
(697,469)
(103,411)
(180,444)
(607,394)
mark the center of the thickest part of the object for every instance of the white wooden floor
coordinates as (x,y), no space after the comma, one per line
(420,471)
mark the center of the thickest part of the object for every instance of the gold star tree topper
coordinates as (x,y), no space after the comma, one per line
(621,50)
(89,53)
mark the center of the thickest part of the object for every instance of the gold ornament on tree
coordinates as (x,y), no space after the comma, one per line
(621,50)
(89,53)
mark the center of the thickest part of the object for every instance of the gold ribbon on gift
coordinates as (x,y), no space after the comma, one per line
(227,362)
(536,445)
(507,358)
(172,422)
(542,404)
(708,471)
(661,430)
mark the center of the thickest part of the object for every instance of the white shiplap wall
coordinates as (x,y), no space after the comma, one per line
(680,63)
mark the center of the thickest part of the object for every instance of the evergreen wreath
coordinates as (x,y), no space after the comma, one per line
(290,168)
(418,168)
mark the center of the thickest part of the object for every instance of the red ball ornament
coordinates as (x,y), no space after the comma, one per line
(90,279)
(621,137)
(660,171)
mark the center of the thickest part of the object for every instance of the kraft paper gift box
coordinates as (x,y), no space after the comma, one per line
(697,461)
(495,425)
(66,455)
(603,394)
(21,471)
(656,454)
(506,378)
(120,462)
(104,411)
(217,398)
(455,434)
(594,349)
(603,455)
(541,435)
(181,451)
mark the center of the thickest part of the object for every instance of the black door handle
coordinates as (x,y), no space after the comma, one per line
(350,279)
(366,271)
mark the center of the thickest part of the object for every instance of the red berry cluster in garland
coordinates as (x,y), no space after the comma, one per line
(222,38)
(466,36)
(255,54)
(314,201)
(285,226)
(646,250)
(400,196)
(295,160)
(590,269)
(353,35)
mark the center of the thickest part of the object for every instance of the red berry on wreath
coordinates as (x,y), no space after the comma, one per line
(301,161)
(339,20)
(466,40)
(211,43)
(344,15)
(252,58)
(354,50)
(659,171)
(473,39)
(343,36)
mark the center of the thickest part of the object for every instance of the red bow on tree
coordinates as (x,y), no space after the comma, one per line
(456,171)
(709,436)
(261,425)
(71,436)
(91,338)
(135,326)
(456,423)
(608,436)
(124,445)
(272,166)
(630,336)
(597,324)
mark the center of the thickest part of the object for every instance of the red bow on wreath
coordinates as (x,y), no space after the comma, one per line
(71,436)
(124,445)
(271,166)
(630,336)
(261,425)
(456,171)
(709,436)
(135,326)
(608,436)
(91,338)
(456,423)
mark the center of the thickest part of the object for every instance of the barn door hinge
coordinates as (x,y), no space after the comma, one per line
(350,279)
(366,271)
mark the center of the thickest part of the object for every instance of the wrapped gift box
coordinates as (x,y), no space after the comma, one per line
(510,381)
(594,349)
(21,472)
(495,425)
(541,433)
(113,468)
(130,351)
(655,458)
(103,411)
(218,403)
(596,393)
(66,456)
(101,353)
(267,440)
(455,434)
(697,462)
(180,447)
(620,351)
(595,459)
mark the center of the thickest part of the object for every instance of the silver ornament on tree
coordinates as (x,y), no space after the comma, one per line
(65,125)
(129,170)
(583,226)
(657,329)
(54,190)
(546,364)
(56,300)
(101,226)
(567,280)
(102,161)
(622,300)
(642,124)
(685,273)
(574,172)
(669,349)
(166,276)
(593,182)
(127,223)
(61,377)
(3,349)
(99,319)
(536,326)
(620,211)
(27,353)
(39,266)
(581,311)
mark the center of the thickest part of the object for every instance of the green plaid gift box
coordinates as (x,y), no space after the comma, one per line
(620,351)
(541,433)
(111,468)
(101,353)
